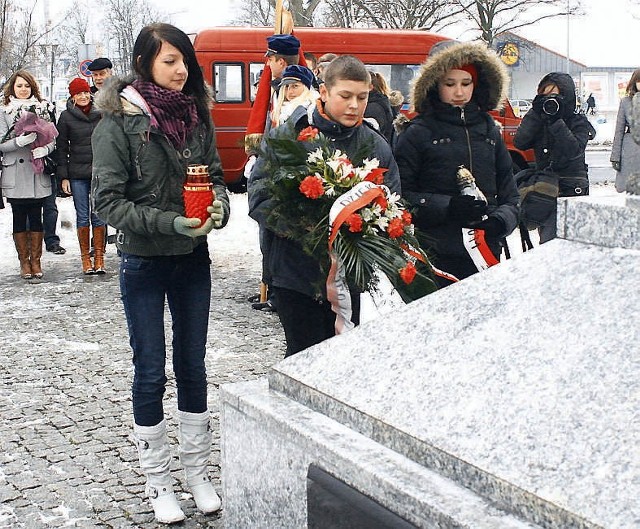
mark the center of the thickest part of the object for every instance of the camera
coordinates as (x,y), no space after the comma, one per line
(551,104)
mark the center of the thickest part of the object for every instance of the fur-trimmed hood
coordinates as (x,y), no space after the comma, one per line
(493,80)
(111,100)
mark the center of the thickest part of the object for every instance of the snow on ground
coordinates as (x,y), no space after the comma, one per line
(239,238)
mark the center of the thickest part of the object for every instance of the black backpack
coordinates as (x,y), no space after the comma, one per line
(538,189)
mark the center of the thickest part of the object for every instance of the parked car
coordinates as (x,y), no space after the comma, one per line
(520,106)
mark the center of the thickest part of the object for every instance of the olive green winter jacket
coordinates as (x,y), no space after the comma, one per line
(138,175)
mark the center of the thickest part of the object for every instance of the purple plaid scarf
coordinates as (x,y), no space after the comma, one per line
(175,112)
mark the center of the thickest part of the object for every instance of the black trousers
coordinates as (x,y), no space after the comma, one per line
(307,321)
(27,214)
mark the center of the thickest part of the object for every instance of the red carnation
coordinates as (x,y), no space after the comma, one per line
(355,222)
(376,175)
(311,187)
(408,273)
(307,134)
(406,218)
(395,228)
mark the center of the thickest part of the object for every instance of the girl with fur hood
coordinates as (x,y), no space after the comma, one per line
(456,88)
(558,136)
(151,130)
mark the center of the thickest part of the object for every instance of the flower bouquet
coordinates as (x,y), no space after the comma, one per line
(339,211)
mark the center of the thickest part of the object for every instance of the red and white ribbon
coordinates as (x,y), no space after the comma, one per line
(345,205)
(478,249)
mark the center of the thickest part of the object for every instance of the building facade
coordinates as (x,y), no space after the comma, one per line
(528,62)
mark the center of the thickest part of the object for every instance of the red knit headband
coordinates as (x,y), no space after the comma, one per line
(471,70)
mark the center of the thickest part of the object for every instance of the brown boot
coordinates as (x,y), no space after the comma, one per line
(35,247)
(99,241)
(21,240)
(83,241)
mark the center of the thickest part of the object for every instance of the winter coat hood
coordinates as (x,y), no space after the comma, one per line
(117,97)
(567,88)
(493,80)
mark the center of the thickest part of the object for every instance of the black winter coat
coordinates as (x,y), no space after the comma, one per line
(565,141)
(379,108)
(75,155)
(429,152)
(289,265)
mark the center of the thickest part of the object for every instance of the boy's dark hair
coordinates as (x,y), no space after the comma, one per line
(146,49)
(346,68)
(289,59)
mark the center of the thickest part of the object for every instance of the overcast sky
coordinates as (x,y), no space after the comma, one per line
(603,37)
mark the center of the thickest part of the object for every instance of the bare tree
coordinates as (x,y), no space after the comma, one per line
(397,14)
(72,33)
(256,13)
(124,20)
(489,18)
(20,36)
(261,12)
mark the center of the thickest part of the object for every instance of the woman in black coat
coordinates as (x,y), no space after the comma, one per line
(379,107)
(559,139)
(75,160)
(456,87)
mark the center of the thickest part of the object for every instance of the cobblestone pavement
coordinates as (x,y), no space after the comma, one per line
(66,456)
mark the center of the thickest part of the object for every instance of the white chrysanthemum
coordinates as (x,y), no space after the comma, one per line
(367,214)
(315,156)
(392,211)
(382,223)
(340,166)
(392,198)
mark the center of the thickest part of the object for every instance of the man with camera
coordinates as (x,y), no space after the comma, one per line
(558,135)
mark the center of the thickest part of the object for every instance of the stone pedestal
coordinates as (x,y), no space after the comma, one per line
(508,400)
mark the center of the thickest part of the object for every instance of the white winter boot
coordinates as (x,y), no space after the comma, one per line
(195,448)
(155,462)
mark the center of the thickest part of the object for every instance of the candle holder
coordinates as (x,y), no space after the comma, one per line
(198,193)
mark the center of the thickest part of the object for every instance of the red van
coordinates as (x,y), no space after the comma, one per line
(233,57)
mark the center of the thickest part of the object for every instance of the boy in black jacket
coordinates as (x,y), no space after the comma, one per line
(305,314)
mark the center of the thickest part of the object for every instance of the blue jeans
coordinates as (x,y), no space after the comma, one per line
(80,189)
(50,217)
(185,281)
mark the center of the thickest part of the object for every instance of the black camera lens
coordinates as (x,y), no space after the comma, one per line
(551,106)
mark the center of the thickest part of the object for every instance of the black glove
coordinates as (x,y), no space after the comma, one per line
(539,101)
(465,209)
(552,118)
(493,228)
(536,104)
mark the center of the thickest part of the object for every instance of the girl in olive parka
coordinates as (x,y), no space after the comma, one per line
(151,129)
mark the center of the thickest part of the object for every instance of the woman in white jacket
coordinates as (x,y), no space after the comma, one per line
(296,89)
(24,187)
